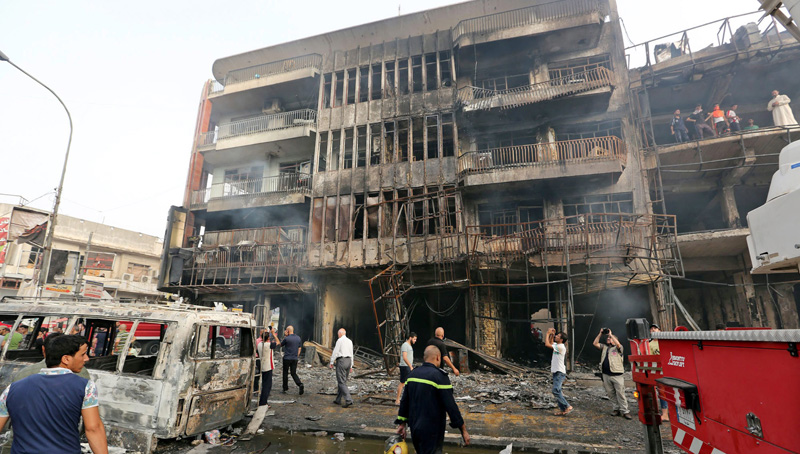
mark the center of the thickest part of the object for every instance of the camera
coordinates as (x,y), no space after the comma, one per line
(605,331)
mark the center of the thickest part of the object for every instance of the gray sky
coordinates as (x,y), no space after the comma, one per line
(131,74)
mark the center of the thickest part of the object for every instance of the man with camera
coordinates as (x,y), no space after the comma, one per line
(611,365)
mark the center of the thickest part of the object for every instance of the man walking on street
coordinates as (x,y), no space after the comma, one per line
(406,363)
(291,344)
(61,399)
(612,367)
(427,399)
(342,357)
(438,341)
(558,368)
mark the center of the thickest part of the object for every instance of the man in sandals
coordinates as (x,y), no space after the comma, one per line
(556,340)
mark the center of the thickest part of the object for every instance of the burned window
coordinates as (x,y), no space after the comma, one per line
(505,81)
(375,93)
(444,68)
(336,148)
(402,140)
(388,86)
(375,144)
(571,70)
(402,76)
(338,89)
(498,219)
(222,342)
(417,139)
(348,149)
(351,86)
(361,146)
(110,339)
(323,152)
(432,132)
(358,217)
(586,208)
(363,84)
(373,204)
(316,220)
(344,217)
(327,86)
(33,255)
(431,77)
(388,142)
(416,74)
(330,219)
(448,135)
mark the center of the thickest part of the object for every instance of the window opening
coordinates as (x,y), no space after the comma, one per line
(389,86)
(376,81)
(388,142)
(432,130)
(330,219)
(336,146)
(418,139)
(373,201)
(402,140)
(323,152)
(363,84)
(431,78)
(358,215)
(348,148)
(402,77)
(583,208)
(375,143)
(222,342)
(444,67)
(327,86)
(351,86)
(361,146)
(448,135)
(338,92)
(344,217)
(416,73)
(316,220)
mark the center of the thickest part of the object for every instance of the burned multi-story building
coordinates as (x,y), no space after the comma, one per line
(481,167)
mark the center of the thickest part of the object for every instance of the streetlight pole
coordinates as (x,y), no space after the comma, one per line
(51,225)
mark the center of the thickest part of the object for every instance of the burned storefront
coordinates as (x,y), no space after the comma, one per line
(483,167)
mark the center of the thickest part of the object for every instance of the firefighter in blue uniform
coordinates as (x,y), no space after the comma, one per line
(427,396)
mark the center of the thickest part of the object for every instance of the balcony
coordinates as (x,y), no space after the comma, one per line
(283,189)
(566,158)
(587,15)
(250,138)
(277,72)
(475,98)
(235,260)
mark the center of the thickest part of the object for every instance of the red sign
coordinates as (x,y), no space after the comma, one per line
(3,239)
(99,261)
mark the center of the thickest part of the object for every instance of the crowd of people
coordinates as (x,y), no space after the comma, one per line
(700,124)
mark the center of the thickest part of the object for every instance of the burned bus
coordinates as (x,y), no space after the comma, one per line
(198,377)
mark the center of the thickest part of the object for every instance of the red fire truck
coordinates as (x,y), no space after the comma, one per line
(731,391)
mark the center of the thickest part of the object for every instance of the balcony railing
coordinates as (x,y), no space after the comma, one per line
(476,98)
(268,69)
(525,16)
(264,123)
(289,183)
(206,139)
(576,150)
(263,256)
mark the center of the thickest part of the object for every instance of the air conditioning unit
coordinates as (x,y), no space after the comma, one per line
(127,277)
(272,106)
(145,279)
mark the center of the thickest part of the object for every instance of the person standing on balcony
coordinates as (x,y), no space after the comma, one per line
(698,118)
(291,344)
(720,122)
(678,128)
(558,368)
(781,111)
(733,119)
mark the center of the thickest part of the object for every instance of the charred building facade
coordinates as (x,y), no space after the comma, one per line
(481,167)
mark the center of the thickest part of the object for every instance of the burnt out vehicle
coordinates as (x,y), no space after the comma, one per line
(191,383)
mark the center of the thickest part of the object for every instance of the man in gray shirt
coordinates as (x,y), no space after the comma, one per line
(406,363)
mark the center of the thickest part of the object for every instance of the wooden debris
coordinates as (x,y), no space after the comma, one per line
(325,355)
(500,365)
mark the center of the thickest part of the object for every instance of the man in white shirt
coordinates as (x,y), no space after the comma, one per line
(342,356)
(556,341)
(781,110)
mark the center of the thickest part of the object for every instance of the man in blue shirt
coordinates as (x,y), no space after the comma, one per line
(291,354)
(61,399)
(427,400)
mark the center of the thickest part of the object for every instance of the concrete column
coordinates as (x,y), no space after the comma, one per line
(729,209)
(746,295)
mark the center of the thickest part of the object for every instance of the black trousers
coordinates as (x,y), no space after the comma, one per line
(266,387)
(290,366)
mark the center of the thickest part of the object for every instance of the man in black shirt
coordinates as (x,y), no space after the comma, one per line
(427,400)
(698,118)
(611,363)
(438,341)
(291,344)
